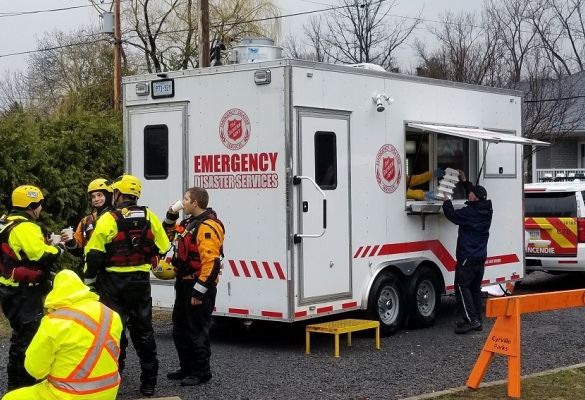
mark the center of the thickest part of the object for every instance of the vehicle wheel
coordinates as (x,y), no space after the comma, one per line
(386,303)
(424,297)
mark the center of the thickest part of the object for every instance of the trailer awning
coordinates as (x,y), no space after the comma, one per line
(478,134)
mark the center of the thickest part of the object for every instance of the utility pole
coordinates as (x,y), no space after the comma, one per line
(203,33)
(117,56)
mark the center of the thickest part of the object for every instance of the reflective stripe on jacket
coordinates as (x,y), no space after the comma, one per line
(77,345)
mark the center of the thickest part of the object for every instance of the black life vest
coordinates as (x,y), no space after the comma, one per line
(186,258)
(134,243)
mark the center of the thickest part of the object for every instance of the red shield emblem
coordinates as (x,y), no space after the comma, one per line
(235,129)
(388,168)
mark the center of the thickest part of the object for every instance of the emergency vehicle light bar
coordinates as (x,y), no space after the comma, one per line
(478,134)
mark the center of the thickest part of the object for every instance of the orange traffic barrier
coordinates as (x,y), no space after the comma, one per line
(504,338)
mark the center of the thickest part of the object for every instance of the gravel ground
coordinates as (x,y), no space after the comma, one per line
(267,360)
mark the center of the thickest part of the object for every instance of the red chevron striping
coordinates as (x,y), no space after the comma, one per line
(239,311)
(256,269)
(299,314)
(324,309)
(234,268)
(267,269)
(374,249)
(245,268)
(499,280)
(349,305)
(365,253)
(356,255)
(279,270)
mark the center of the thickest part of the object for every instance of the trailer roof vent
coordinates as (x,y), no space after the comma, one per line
(254,50)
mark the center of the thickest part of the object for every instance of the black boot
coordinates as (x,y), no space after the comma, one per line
(147,388)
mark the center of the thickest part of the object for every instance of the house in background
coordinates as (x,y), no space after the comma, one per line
(565,158)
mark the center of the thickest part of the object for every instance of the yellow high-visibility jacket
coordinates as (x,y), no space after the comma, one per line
(415,180)
(76,347)
(27,241)
(107,228)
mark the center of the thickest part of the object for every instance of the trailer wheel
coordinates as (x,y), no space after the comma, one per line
(424,297)
(386,303)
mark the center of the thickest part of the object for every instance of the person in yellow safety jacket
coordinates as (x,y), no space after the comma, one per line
(25,263)
(198,242)
(416,180)
(126,242)
(75,351)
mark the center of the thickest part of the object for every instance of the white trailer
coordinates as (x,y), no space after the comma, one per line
(307,165)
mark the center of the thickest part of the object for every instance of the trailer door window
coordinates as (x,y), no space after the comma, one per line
(326,160)
(156,152)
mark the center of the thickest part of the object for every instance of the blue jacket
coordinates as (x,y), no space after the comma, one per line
(474,222)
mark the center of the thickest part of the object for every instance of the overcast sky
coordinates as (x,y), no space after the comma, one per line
(20,33)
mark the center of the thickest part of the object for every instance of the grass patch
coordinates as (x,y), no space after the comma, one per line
(563,385)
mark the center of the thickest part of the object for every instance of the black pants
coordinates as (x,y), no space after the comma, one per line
(23,307)
(128,293)
(468,291)
(191,326)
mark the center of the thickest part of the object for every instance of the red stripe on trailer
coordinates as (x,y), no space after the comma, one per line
(568,262)
(267,269)
(239,311)
(279,270)
(451,287)
(365,253)
(485,281)
(324,309)
(234,268)
(256,269)
(499,280)
(299,314)
(349,305)
(357,253)
(273,314)
(374,249)
(499,260)
(515,276)
(245,268)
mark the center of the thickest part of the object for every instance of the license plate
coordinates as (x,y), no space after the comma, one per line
(534,234)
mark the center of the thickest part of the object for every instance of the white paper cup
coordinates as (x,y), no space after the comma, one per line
(177,206)
(68,232)
(55,239)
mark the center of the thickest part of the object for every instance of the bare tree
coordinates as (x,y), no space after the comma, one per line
(13,91)
(165,32)
(361,31)
(468,51)
(314,49)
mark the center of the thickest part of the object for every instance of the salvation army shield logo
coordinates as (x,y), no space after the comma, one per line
(234,129)
(388,168)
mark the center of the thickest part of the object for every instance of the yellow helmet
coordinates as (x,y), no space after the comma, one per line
(25,195)
(164,270)
(128,184)
(99,184)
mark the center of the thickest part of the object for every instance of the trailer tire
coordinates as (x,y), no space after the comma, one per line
(424,297)
(386,303)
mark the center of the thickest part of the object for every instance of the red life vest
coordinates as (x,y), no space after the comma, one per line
(23,270)
(186,258)
(134,243)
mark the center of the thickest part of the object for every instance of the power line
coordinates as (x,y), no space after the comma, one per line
(51,48)
(19,13)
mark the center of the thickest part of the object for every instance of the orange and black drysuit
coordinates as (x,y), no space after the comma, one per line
(25,263)
(125,243)
(83,233)
(198,243)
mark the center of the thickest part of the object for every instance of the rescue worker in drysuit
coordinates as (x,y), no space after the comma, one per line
(25,263)
(199,246)
(75,351)
(126,242)
(100,196)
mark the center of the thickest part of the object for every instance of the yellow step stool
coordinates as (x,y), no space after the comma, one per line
(338,327)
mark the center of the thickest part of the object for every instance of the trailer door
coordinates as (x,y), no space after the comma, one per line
(323,237)
(156,145)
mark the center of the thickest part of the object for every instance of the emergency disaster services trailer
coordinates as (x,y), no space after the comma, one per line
(307,165)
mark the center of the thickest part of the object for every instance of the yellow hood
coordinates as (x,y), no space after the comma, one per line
(68,289)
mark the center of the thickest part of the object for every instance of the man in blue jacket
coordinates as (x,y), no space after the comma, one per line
(474,223)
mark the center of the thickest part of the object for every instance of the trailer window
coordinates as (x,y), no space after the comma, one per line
(326,160)
(156,152)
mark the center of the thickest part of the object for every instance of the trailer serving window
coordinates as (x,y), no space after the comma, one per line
(156,152)
(326,160)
